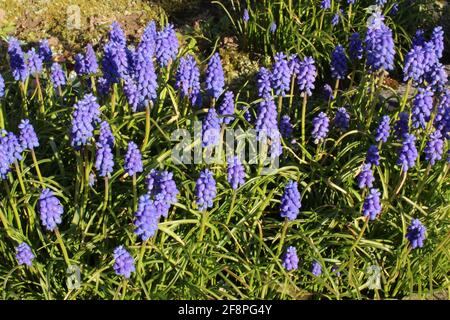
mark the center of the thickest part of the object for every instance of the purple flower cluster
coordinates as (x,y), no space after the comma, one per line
(421,110)
(365,177)
(372,204)
(34,62)
(45,52)
(123,262)
(373,155)
(133,159)
(316,268)
(290,259)
(50,209)
(306,76)
(236,172)
(146,218)
(188,79)
(286,126)
(281,74)
(401,127)
(328,92)
(342,119)
(320,127)
(437,38)
(85,115)
(24,255)
(434,148)
(416,234)
(338,63)
(408,152)
(290,201)
(355,47)
(17,60)
(226,109)
(205,190)
(379,45)
(10,151)
(383,129)
(215,80)
(104,161)
(414,65)
(86,64)
(166,45)
(263,84)
(2,86)
(57,76)
(442,119)
(161,185)
(28,138)
(210,129)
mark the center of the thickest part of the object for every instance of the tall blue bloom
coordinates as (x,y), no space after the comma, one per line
(286,126)
(273,27)
(338,63)
(437,77)
(416,234)
(85,115)
(12,149)
(133,159)
(245,16)
(161,183)
(188,79)
(235,172)
(316,268)
(306,76)
(205,190)
(401,127)
(372,204)
(57,76)
(17,60)
(336,18)
(28,138)
(123,262)
(281,74)
(414,65)
(146,218)
(355,47)
(373,155)
(263,83)
(442,119)
(215,80)
(210,129)
(365,177)
(379,43)
(383,129)
(148,39)
(408,152)
(104,161)
(434,148)
(226,109)
(45,52)
(422,106)
(290,259)
(328,92)
(79,66)
(429,56)
(50,209)
(24,255)
(418,39)
(90,61)
(116,34)
(2,86)
(325,4)
(290,201)
(320,127)
(342,119)
(166,45)
(34,62)
(115,62)
(437,38)
(267,117)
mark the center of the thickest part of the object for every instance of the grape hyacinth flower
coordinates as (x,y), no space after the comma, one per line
(79,66)
(86,113)
(325,4)
(342,119)
(34,62)
(365,177)
(401,126)
(418,39)
(429,56)
(115,62)
(2,87)
(146,218)
(162,183)
(104,160)
(215,80)
(316,268)
(57,76)
(434,148)
(437,38)
(116,34)
(379,45)
(123,262)
(286,126)
(90,61)
(205,190)
(372,204)
(380,3)
(210,129)
(235,173)
(166,45)
(273,27)
(394,9)
(92,179)
(437,77)
(408,152)
(328,92)
(12,150)
(335,269)
(24,255)
(290,259)
(416,234)
(45,52)
(306,76)
(148,38)
(338,63)
(133,159)
(414,65)
(421,110)
(263,84)
(188,79)
(373,155)
(383,130)
(17,60)
(281,74)
(226,109)
(28,138)
(355,47)
(50,209)
(336,18)
(290,201)
(266,120)
(442,119)
(245,16)
(320,127)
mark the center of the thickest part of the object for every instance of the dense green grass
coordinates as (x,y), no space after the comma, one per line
(240,259)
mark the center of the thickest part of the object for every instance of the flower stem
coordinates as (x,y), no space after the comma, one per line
(233,200)
(40,96)
(305,100)
(147,127)
(13,205)
(19,176)
(134,193)
(105,201)
(63,247)
(36,165)
(283,235)
(203,224)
